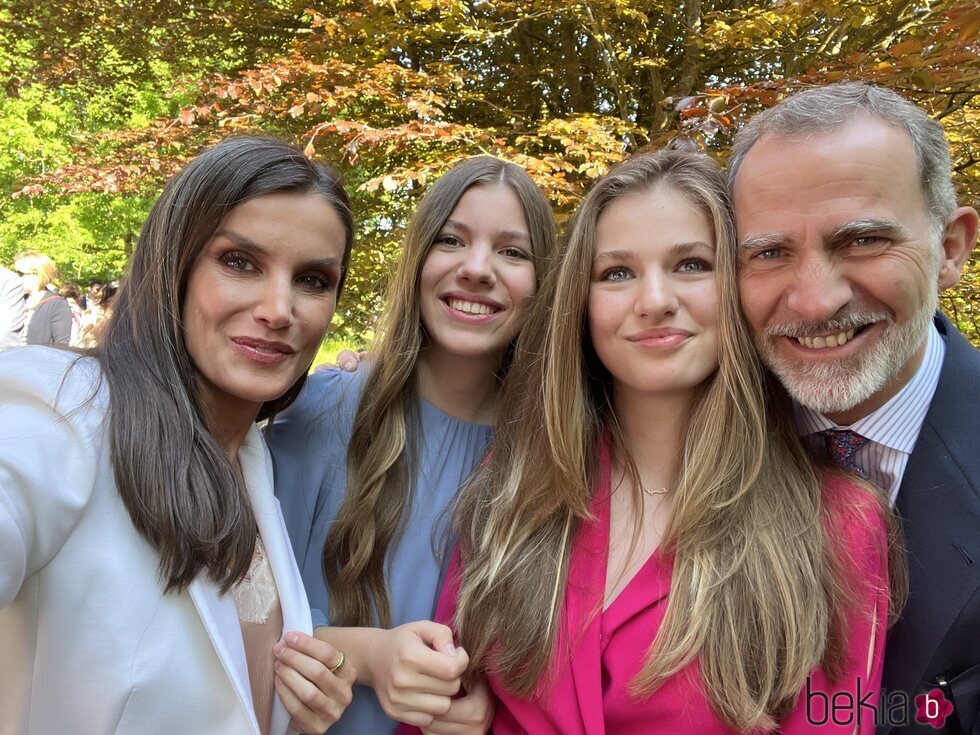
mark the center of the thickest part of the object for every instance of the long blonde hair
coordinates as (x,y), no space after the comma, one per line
(380,455)
(751,562)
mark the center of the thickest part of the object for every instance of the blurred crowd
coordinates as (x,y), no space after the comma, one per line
(35,310)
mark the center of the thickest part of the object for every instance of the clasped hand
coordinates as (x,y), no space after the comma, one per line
(313,689)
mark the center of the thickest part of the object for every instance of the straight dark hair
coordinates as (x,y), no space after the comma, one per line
(175,479)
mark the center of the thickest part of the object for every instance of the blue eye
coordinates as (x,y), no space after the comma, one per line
(695,265)
(616,273)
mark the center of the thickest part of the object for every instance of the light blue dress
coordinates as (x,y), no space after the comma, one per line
(309,451)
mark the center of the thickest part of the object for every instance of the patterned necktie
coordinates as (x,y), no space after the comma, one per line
(841,446)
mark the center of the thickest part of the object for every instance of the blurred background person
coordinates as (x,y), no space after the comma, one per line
(48,319)
(95,317)
(11,309)
(71,293)
(94,286)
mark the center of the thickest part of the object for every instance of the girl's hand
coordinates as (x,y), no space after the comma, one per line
(468,715)
(415,670)
(347,360)
(313,688)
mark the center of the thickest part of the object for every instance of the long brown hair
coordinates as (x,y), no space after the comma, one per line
(175,480)
(380,455)
(751,562)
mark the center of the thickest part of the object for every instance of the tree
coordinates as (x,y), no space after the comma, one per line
(392,93)
(73,69)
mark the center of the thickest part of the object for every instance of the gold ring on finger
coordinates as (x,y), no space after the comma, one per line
(340,662)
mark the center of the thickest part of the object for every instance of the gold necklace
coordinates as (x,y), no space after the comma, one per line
(661,491)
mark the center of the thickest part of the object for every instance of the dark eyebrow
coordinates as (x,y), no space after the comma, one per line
(253,247)
(505,234)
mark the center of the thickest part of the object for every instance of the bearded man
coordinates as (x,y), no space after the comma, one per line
(848,228)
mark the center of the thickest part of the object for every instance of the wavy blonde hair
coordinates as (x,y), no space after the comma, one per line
(381,453)
(751,564)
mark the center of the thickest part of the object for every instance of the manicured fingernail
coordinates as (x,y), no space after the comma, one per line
(292,639)
(278,647)
(449,649)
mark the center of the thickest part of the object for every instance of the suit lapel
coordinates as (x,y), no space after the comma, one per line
(940,579)
(218,612)
(220,618)
(258,473)
(940,513)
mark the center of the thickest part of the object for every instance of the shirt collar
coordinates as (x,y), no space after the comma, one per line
(895,424)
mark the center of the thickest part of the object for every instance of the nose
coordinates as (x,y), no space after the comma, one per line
(274,306)
(477,265)
(819,290)
(657,297)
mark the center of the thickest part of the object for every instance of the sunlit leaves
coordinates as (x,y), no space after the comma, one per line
(393,93)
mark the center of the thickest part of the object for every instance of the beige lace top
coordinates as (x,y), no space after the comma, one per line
(260,617)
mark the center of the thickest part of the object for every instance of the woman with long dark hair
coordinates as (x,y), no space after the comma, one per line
(366,463)
(145,577)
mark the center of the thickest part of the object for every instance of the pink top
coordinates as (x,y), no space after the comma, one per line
(589,694)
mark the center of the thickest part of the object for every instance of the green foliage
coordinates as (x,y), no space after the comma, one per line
(392,93)
(77,70)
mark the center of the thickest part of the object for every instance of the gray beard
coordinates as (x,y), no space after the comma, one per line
(837,387)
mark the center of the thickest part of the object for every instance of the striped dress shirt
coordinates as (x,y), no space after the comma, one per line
(892,428)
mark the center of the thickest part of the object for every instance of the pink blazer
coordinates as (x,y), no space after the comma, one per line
(600,652)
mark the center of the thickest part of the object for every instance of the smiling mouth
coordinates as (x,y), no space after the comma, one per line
(824,341)
(264,347)
(830,340)
(471,307)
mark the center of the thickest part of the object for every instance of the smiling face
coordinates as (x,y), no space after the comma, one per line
(259,298)
(478,276)
(839,264)
(653,302)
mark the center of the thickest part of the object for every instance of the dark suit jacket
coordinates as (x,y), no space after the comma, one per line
(939,502)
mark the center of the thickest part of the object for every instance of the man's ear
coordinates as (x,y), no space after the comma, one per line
(958,242)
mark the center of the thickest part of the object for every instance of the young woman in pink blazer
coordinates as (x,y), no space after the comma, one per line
(649,548)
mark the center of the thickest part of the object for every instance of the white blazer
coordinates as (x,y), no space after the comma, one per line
(89,644)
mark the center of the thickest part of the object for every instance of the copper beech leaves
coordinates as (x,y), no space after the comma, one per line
(393,93)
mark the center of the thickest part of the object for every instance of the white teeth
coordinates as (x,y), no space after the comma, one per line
(831,340)
(470,307)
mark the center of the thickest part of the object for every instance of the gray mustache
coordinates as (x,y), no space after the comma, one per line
(841,323)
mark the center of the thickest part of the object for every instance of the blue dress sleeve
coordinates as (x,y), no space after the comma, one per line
(308,442)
